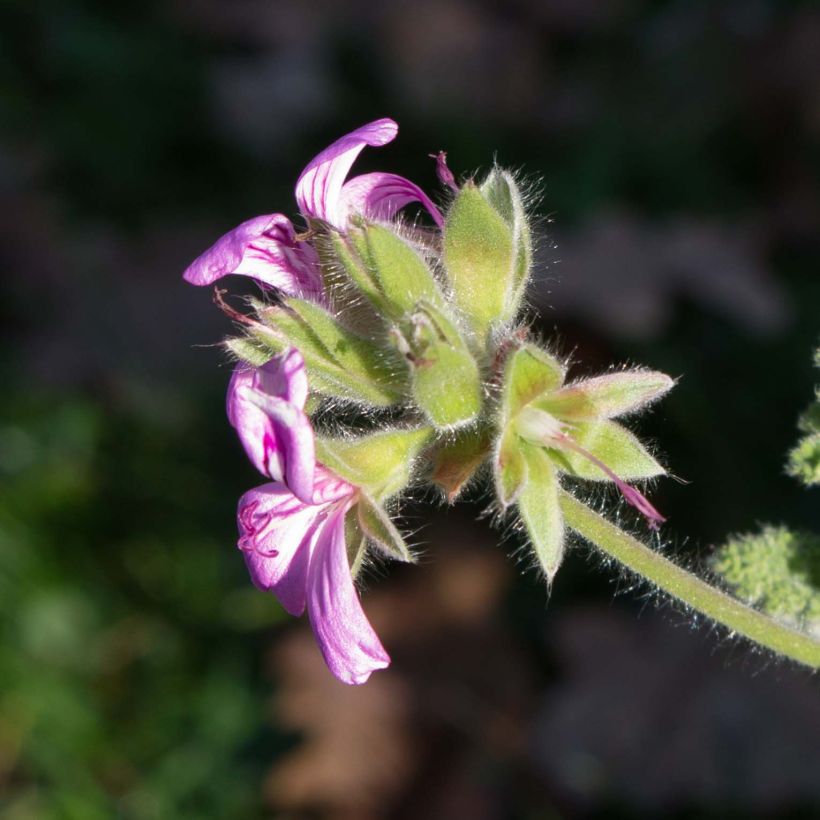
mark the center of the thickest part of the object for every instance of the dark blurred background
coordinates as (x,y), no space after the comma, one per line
(676,148)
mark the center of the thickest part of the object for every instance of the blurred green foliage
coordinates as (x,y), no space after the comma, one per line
(128,656)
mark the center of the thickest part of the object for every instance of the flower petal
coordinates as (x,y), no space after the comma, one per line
(264,405)
(382,196)
(319,187)
(264,248)
(275,534)
(349,644)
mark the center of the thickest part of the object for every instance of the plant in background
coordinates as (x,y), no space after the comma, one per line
(386,354)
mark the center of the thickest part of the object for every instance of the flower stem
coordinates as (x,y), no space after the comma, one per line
(688,588)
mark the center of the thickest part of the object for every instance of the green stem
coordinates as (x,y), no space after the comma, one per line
(687,587)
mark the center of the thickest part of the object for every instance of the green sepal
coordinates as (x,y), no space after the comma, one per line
(504,195)
(378,527)
(446,382)
(606,397)
(380,463)
(339,362)
(357,271)
(400,274)
(248,350)
(355,354)
(454,463)
(614,446)
(478,256)
(529,373)
(509,468)
(356,542)
(540,510)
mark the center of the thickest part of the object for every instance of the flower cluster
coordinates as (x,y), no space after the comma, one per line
(412,331)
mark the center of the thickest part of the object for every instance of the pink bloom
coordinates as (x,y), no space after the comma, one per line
(292,530)
(266,406)
(266,247)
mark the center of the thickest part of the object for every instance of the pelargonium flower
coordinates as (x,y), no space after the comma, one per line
(292,530)
(268,249)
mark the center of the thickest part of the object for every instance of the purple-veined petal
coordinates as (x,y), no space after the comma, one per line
(319,186)
(276,531)
(264,248)
(381,196)
(328,487)
(285,377)
(275,432)
(349,644)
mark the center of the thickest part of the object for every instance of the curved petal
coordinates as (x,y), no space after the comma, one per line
(381,196)
(275,535)
(327,486)
(349,644)
(275,432)
(264,248)
(319,186)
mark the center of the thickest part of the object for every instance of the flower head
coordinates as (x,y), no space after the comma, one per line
(417,333)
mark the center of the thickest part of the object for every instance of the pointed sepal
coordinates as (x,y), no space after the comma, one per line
(380,463)
(540,511)
(378,527)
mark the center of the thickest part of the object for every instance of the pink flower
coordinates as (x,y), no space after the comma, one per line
(267,247)
(292,530)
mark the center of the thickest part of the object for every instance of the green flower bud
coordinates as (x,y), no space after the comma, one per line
(480,259)
(446,383)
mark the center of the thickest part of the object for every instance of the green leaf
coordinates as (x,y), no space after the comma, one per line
(777,570)
(614,446)
(455,462)
(606,397)
(380,463)
(376,524)
(478,256)
(509,468)
(504,195)
(540,509)
(446,382)
(804,460)
(529,373)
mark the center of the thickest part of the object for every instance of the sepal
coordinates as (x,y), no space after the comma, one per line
(503,194)
(380,463)
(540,509)
(378,527)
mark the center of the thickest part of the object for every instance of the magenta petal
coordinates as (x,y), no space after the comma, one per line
(264,248)
(319,187)
(285,377)
(275,432)
(349,644)
(329,487)
(381,196)
(275,534)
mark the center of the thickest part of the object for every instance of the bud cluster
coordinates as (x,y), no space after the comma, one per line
(413,335)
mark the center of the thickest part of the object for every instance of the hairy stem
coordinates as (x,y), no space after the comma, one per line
(688,588)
